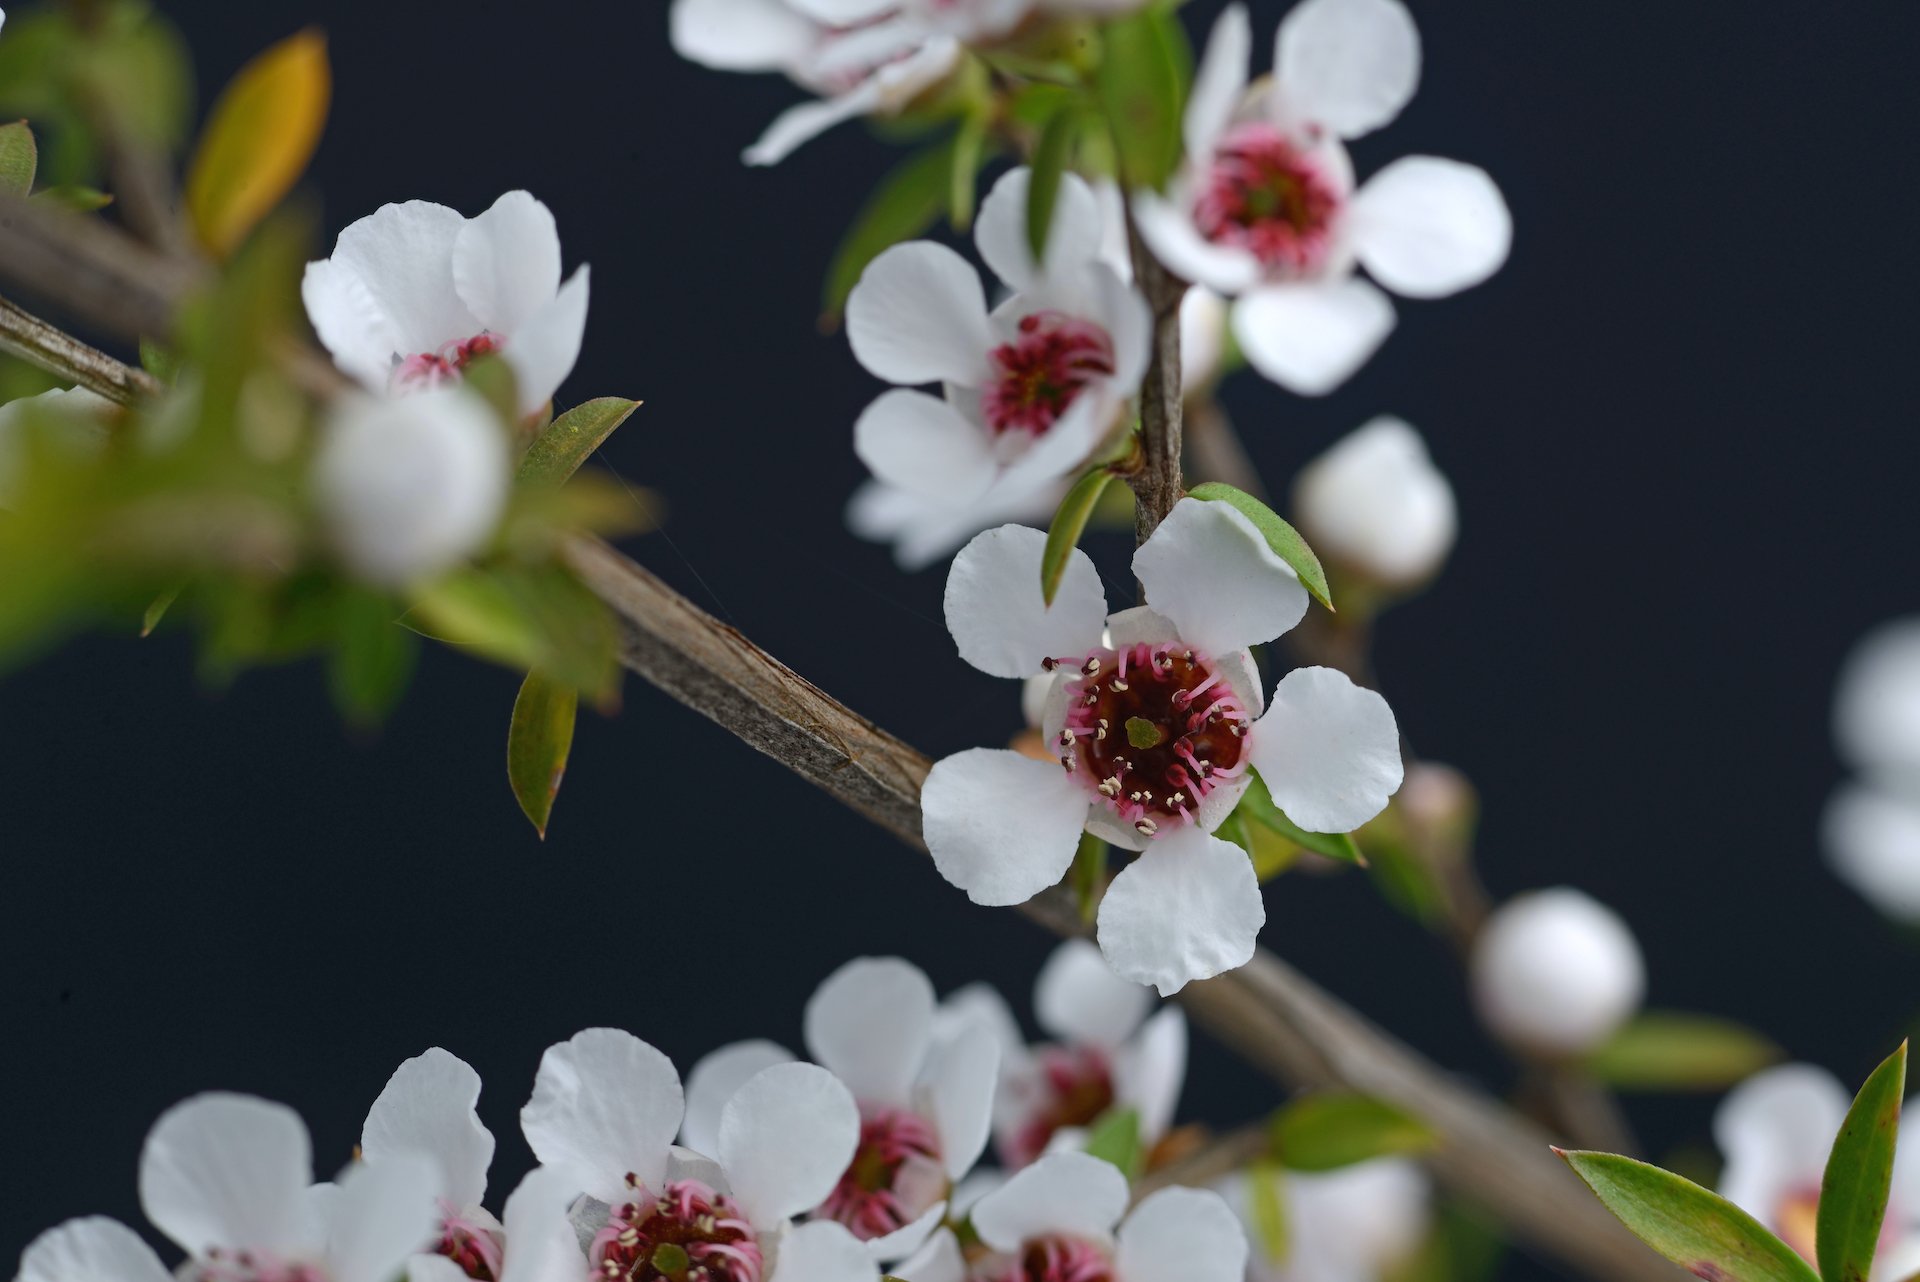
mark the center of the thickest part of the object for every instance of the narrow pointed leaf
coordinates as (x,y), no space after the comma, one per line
(1258,807)
(157,611)
(1043,184)
(1671,1051)
(538,744)
(1266,1193)
(963,173)
(372,657)
(1281,537)
(907,202)
(19,158)
(1139,85)
(1853,1193)
(258,140)
(1331,1129)
(1115,1138)
(81,200)
(1069,523)
(1702,1232)
(571,439)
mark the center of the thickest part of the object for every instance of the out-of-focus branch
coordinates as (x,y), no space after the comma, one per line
(26,336)
(93,270)
(1217,1158)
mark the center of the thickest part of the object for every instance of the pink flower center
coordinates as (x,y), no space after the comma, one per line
(1152,729)
(1055,1259)
(469,1245)
(431,369)
(1040,374)
(252,1266)
(1267,196)
(1076,1087)
(688,1234)
(895,1177)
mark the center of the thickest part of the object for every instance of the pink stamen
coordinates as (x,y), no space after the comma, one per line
(1056,1259)
(895,1176)
(1039,375)
(689,1233)
(432,369)
(1075,1089)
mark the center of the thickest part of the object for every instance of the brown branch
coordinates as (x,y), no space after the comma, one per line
(96,272)
(26,336)
(1156,484)
(1217,1158)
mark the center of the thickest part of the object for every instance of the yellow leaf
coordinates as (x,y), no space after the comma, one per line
(259,139)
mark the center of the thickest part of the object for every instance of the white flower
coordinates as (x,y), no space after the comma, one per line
(925,1095)
(1556,972)
(1871,829)
(1105,1054)
(1775,1130)
(1375,503)
(428,1108)
(414,292)
(604,1112)
(1355,1224)
(1055,1222)
(78,415)
(410,487)
(1032,387)
(923,530)
(1156,716)
(1266,209)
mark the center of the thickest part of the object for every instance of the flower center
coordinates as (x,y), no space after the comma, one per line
(1057,1259)
(688,1234)
(1041,373)
(431,369)
(1078,1090)
(895,1175)
(1153,729)
(1270,198)
(469,1245)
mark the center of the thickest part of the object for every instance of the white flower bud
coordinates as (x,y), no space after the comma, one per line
(1203,338)
(82,427)
(409,487)
(1375,503)
(1876,713)
(1556,972)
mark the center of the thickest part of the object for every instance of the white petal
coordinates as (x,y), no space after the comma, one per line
(1050,461)
(958,1085)
(1000,231)
(402,256)
(1150,1070)
(1079,1000)
(924,446)
(919,315)
(939,1260)
(424,1267)
(1357,1222)
(870,1022)
(1188,908)
(842,13)
(541,1243)
(802,123)
(428,1107)
(1375,502)
(94,1249)
(785,1139)
(1349,65)
(982,1004)
(1872,838)
(998,616)
(822,1251)
(349,323)
(1187,1233)
(1210,570)
(740,35)
(1001,826)
(230,1171)
(544,350)
(713,1082)
(1775,1129)
(1556,972)
(1219,84)
(506,262)
(1310,338)
(1876,712)
(1062,1194)
(1426,227)
(604,1104)
(685,1164)
(1169,232)
(1328,750)
(383,1213)
(907,1239)
(894,86)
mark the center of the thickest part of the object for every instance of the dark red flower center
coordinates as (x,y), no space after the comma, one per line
(431,369)
(1040,374)
(1057,1259)
(1268,196)
(688,1234)
(1076,1090)
(895,1177)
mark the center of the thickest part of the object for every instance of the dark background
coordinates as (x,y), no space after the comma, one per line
(1680,424)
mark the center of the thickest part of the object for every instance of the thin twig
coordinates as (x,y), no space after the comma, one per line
(26,336)
(1156,485)
(1219,1157)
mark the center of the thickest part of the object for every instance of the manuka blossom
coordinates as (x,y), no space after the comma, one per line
(1871,829)
(229,1179)
(1556,972)
(1375,505)
(1360,1223)
(428,1109)
(604,1112)
(1775,1130)
(1109,1050)
(1032,387)
(415,292)
(1155,715)
(925,1095)
(1266,208)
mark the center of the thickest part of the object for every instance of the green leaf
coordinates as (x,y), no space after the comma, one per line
(571,439)
(963,171)
(1069,523)
(1669,1051)
(1257,806)
(1702,1232)
(1088,874)
(1281,537)
(372,657)
(1115,1138)
(538,743)
(1267,1210)
(159,361)
(258,140)
(19,158)
(907,202)
(1853,1193)
(157,610)
(1139,89)
(1331,1129)
(1050,156)
(526,618)
(81,200)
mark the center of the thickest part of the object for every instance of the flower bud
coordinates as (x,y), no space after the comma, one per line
(1376,504)
(1876,712)
(410,487)
(1556,973)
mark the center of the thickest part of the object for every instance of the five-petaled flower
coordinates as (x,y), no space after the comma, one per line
(1155,714)
(415,292)
(1266,208)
